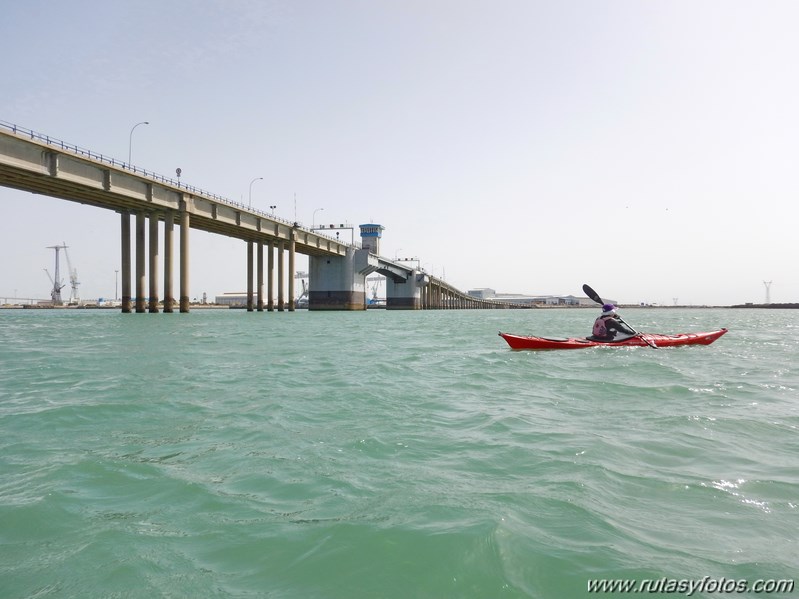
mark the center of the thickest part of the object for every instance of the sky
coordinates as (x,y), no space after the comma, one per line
(645,147)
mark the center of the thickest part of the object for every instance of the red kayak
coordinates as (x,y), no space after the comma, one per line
(639,340)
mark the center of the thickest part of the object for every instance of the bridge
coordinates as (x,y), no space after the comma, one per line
(39,164)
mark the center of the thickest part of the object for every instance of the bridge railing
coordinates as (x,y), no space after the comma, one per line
(77,150)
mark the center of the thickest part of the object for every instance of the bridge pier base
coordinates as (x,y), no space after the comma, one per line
(407,294)
(339,282)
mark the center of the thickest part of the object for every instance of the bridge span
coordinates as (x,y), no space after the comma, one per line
(39,164)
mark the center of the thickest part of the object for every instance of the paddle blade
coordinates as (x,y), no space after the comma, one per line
(650,342)
(592,294)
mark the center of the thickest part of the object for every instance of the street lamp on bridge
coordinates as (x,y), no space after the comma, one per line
(251,182)
(130,138)
(313,218)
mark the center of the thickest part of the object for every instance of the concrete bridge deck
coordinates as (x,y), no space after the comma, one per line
(42,165)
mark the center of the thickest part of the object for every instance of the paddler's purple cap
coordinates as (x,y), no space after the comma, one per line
(608,309)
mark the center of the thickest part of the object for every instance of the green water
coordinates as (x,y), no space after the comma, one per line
(390,454)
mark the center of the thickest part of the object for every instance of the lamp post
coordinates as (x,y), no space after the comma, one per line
(272,208)
(313,218)
(116,286)
(130,138)
(251,182)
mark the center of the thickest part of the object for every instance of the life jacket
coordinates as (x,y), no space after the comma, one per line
(600,328)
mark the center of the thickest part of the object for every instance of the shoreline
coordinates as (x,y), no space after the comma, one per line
(774,306)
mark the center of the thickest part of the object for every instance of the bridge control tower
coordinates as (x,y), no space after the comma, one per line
(370,237)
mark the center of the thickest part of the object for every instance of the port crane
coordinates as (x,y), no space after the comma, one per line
(55,292)
(376,281)
(58,284)
(302,300)
(74,296)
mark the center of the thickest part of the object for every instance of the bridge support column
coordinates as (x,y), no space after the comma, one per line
(292,244)
(270,277)
(169,297)
(125,258)
(184,257)
(408,294)
(280,302)
(153,301)
(339,282)
(249,277)
(260,266)
(140,275)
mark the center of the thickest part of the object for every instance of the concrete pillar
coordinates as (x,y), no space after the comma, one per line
(169,295)
(280,303)
(339,282)
(249,277)
(184,257)
(270,277)
(140,282)
(125,234)
(260,266)
(292,299)
(417,292)
(153,302)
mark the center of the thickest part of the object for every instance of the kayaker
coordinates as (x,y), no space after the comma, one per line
(609,324)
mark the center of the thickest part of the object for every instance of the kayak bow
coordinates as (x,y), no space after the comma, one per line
(639,340)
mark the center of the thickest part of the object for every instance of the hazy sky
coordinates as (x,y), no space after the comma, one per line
(646,147)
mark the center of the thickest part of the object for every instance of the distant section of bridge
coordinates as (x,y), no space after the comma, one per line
(39,164)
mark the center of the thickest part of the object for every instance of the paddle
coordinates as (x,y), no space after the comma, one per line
(595,297)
